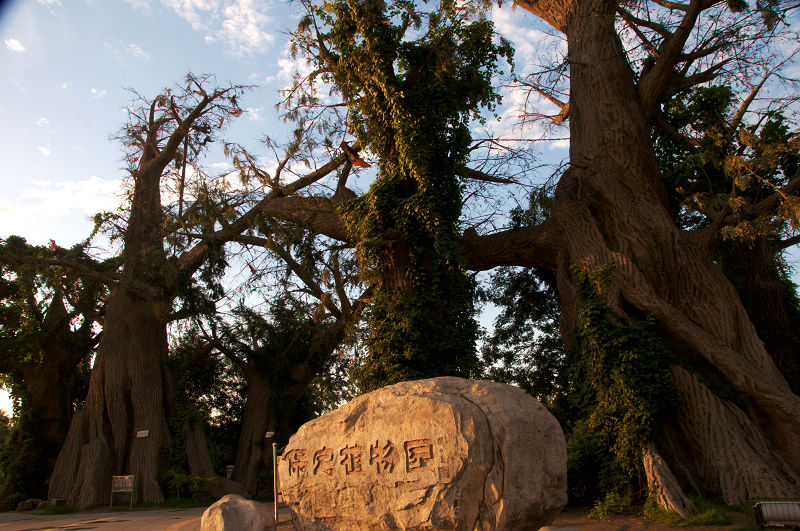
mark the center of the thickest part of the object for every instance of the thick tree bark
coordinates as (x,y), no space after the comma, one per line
(127,388)
(253,452)
(200,464)
(126,395)
(768,300)
(610,207)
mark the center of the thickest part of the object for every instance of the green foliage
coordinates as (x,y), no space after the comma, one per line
(195,487)
(206,390)
(525,347)
(705,513)
(621,386)
(47,320)
(592,470)
(714,161)
(612,505)
(410,92)
(26,458)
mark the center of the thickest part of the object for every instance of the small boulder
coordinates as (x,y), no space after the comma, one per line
(442,453)
(234,513)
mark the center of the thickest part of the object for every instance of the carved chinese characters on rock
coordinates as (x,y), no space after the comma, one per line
(324,461)
(385,457)
(382,457)
(297,461)
(418,453)
(351,459)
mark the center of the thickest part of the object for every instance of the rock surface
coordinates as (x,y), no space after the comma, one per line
(234,513)
(443,453)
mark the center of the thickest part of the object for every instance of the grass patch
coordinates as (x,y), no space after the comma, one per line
(705,513)
(613,505)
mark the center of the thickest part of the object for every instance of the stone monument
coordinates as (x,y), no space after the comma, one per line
(442,453)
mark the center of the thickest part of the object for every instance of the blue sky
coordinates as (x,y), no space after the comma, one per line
(67,67)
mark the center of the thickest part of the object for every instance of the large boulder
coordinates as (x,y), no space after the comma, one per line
(443,453)
(234,513)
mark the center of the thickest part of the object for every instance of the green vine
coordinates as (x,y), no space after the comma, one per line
(621,379)
(410,95)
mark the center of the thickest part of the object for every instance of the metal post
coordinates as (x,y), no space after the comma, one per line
(275,479)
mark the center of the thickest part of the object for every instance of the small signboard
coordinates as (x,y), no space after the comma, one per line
(121,483)
(143,433)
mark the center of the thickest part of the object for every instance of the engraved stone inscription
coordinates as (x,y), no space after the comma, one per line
(297,461)
(385,457)
(324,461)
(351,459)
(418,453)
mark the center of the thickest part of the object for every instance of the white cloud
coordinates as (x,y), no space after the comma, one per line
(14,45)
(254,113)
(240,25)
(135,51)
(66,84)
(243,27)
(54,198)
(140,4)
(43,122)
(533,42)
(44,150)
(50,2)
(97,93)
(58,210)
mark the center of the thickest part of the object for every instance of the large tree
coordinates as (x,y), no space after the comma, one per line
(634,282)
(173,254)
(281,353)
(128,392)
(48,319)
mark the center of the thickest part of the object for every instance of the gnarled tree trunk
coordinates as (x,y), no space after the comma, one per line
(127,388)
(254,451)
(200,464)
(611,207)
(123,425)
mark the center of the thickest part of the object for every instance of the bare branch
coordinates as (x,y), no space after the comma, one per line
(788,242)
(469,173)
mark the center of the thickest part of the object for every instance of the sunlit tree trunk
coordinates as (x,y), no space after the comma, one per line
(611,208)
(129,378)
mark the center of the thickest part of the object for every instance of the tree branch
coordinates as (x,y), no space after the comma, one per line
(536,246)
(296,268)
(81,269)
(192,259)
(475,175)
(788,242)
(767,204)
(654,83)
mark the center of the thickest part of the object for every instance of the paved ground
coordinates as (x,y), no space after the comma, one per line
(144,520)
(189,520)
